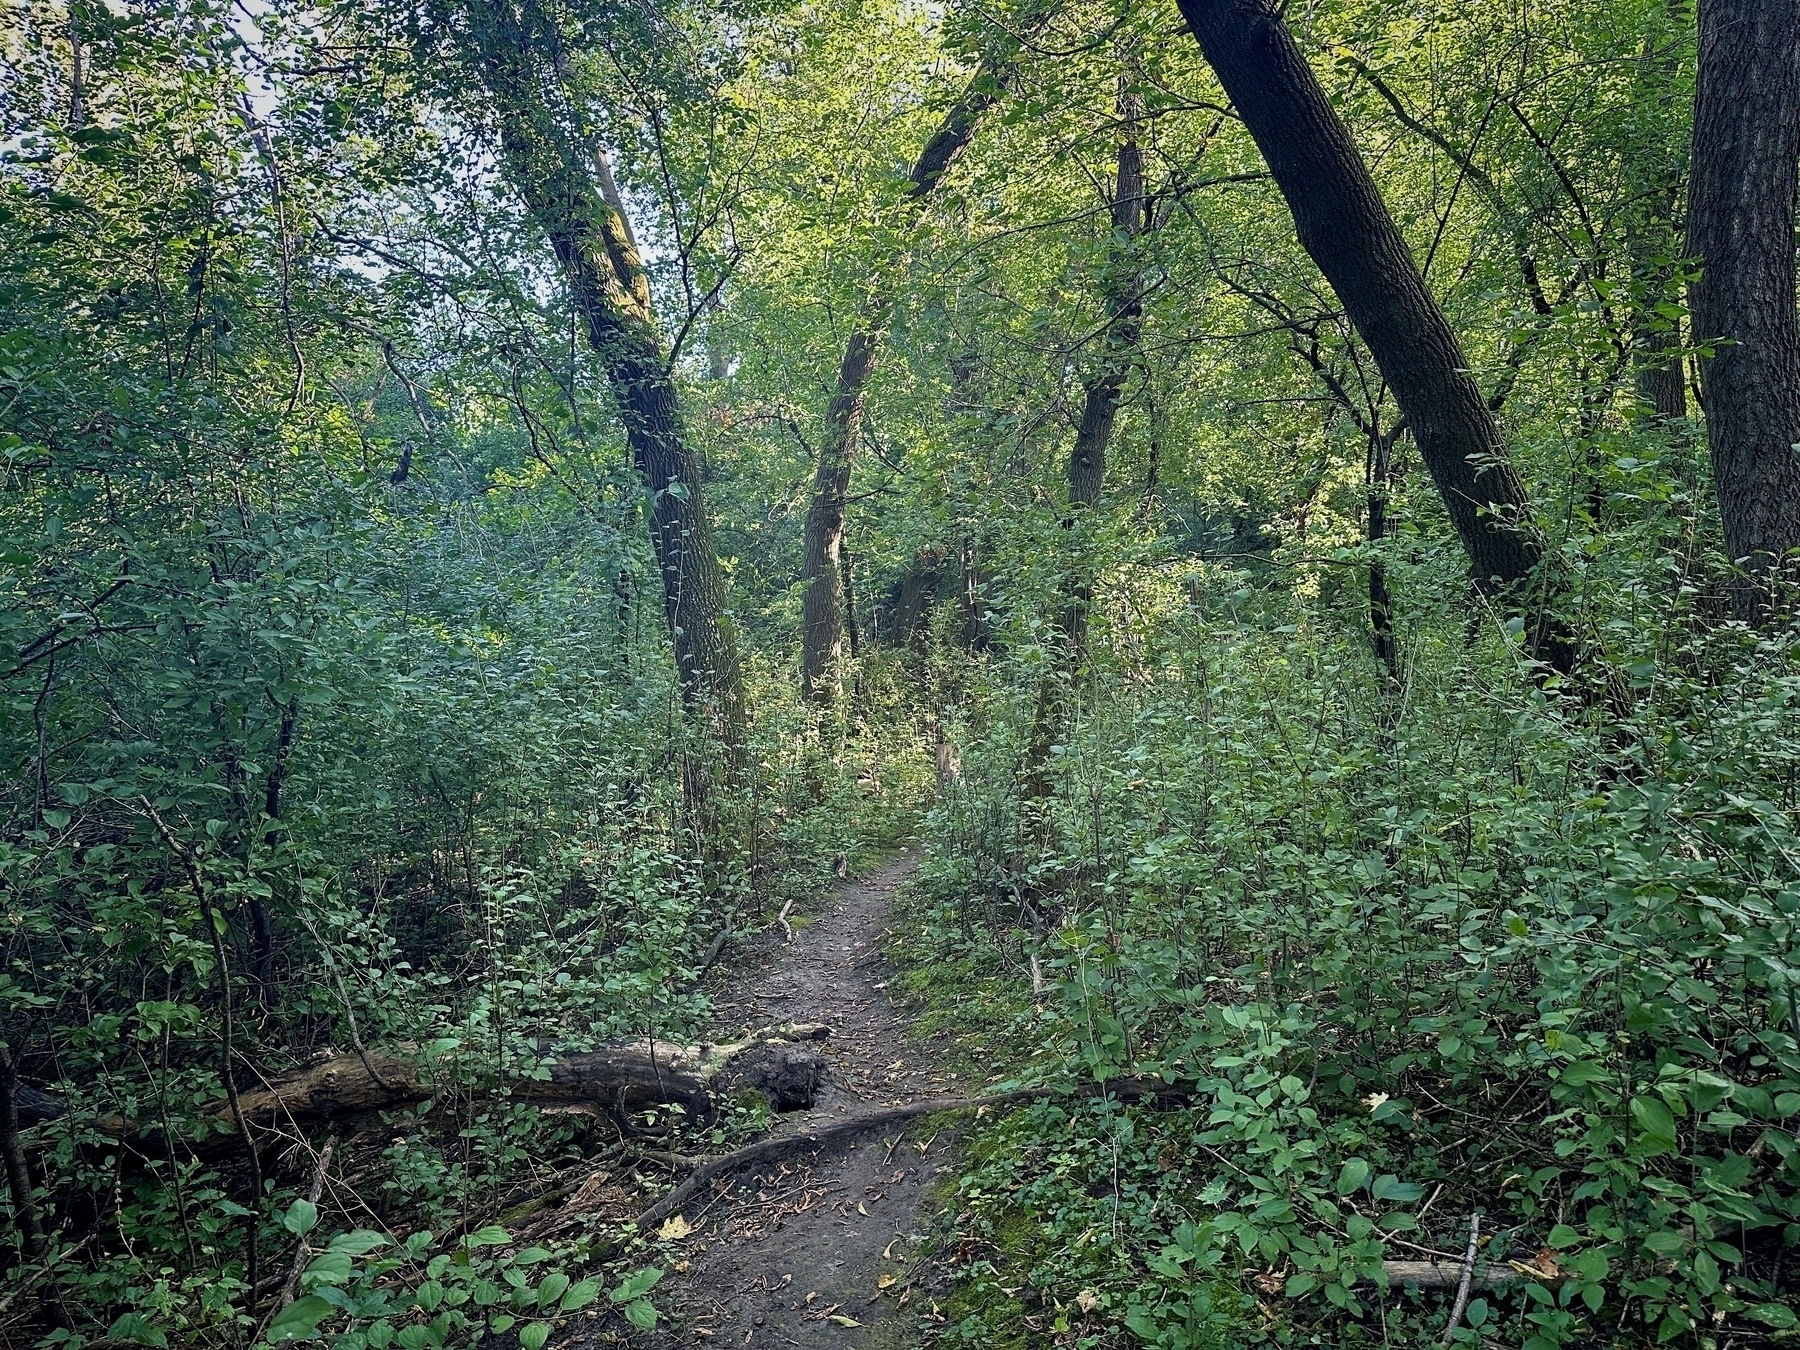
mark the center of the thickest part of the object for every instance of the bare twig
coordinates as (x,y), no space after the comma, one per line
(1468,1274)
(300,1254)
(208,916)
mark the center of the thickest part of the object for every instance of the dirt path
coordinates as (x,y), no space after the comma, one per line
(816,1252)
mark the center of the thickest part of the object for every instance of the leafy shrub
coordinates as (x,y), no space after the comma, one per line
(1486,953)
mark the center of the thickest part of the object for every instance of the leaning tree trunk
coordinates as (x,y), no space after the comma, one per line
(1345,226)
(1741,230)
(611,291)
(1122,284)
(821,613)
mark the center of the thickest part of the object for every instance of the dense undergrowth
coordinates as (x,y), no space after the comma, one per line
(1420,950)
(347,559)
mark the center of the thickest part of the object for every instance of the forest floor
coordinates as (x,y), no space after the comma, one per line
(823,1250)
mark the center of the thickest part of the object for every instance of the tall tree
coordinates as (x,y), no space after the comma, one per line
(1122,288)
(592,241)
(1345,227)
(1655,171)
(1741,230)
(821,569)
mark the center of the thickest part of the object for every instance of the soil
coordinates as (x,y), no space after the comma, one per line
(820,1251)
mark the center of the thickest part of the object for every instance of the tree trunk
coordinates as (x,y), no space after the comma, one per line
(262,923)
(18,1174)
(1655,172)
(821,604)
(1741,230)
(821,611)
(592,242)
(1381,600)
(1122,286)
(1085,474)
(1345,227)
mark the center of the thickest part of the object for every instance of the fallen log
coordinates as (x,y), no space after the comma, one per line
(781,1063)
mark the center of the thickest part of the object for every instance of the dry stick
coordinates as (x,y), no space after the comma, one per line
(293,1276)
(349,1011)
(782,919)
(712,955)
(1462,1290)
(208,918)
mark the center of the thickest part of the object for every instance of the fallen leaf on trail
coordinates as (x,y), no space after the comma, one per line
(843,1321)
(885,1280)
(1375,1100)
(861,1208)
(674,1229)
(1087,1300)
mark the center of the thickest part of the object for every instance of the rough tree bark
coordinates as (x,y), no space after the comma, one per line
(821,615)
(1741,231)
(1345,227)
(611,290)
(782,1063)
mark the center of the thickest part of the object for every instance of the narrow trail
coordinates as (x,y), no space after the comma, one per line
(816,1252)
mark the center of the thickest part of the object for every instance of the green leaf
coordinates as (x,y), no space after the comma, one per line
(637,1285)
(1563,1236)
(1653,1118)
(138,1329)
(1777,1315)
(1353,1176)
(330,1268)
(551,1288)
(1389,1187)
(359,1242)
(579,1296)
(301,1218)
(1664,1243)
(491,1236)
(534,1336)
(1584,1071)
(640,1314)
(299,1321)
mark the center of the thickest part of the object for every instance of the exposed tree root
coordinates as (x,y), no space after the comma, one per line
(706,1170)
